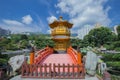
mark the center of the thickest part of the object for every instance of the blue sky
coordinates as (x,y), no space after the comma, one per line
(35,15)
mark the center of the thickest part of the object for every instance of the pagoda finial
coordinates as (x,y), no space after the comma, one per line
(60,18)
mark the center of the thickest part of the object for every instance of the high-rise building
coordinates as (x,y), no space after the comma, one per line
(98,25)
(115,29)
(84,31)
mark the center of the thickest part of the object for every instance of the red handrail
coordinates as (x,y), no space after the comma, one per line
(73,54)
(40,51)
(76,56)
(42,54)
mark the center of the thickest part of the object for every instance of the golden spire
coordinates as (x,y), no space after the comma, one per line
(61,18)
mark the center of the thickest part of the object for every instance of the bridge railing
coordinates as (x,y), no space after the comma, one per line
(42,54)
(59,71)
(73,54)
(40,51)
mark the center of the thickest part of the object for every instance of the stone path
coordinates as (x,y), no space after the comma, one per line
(86,78)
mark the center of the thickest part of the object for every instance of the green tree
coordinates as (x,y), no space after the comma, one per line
(99,36)
(15,38)
(76,42)
(118,31)
(24,37)
(3,43)
(24,44)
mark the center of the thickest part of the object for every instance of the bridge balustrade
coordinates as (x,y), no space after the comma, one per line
(58,71)
(73,54)
(42,54)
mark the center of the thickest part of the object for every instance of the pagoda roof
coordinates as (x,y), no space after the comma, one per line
(61,23)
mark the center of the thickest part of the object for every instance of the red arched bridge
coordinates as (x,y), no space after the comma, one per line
(47,64)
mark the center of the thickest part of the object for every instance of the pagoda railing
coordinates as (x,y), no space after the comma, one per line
(59,71)
(40,55)
(60,32)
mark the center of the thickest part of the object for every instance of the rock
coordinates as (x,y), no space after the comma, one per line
(91,63)
(103,67)
(16,62)
(18,77)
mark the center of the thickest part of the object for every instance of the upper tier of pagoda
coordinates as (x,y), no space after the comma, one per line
(60,22)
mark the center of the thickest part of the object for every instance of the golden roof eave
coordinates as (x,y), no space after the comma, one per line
(64,23)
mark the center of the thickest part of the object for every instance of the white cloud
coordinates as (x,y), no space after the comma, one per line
(25,25)
(27,19)
(45,2)
(18,27)
(51,19)
(85,12)
(12,22)
(49,31)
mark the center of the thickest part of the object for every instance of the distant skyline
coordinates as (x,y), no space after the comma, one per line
(35,15)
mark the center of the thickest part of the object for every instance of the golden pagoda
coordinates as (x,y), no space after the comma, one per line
(61,34)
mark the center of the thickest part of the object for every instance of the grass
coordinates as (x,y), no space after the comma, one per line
(114,77)
(3,60)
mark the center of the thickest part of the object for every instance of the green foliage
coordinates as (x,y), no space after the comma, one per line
(116,43)
(115,63)
(3,58)
(109,47)
(41,43)
(24,37)
(117,49)
(15,38)
(114,77)
(85,42)
(24,44)
(99,36)
(76,42)
(118,31)
(111,57)
(20,41)
(115,67)
(3,43)
(11,46)
(113,46)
